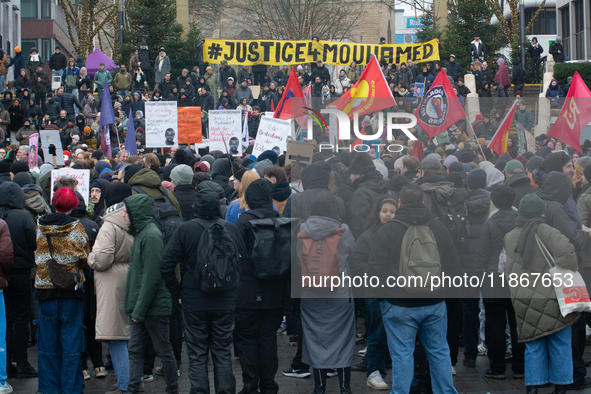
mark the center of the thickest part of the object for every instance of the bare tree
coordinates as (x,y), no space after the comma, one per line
(510,27)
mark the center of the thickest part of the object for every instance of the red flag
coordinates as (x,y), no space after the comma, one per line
(288,108)
(371,93)
(440,107)
(498,142)
(575,114)
(417,150)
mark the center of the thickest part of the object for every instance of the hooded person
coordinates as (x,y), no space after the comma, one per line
(323,314)
(369,187)
(109,261)
(518,181)
(182,178)
(259,303)
(221,171)
(5,170)
(101,185)
(149,182)
(35,202)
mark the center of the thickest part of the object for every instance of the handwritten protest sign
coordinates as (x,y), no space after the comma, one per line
(272,135)
(82,176)
(189,125)
(33,146)
(49,138)
(161,124)
(225,125)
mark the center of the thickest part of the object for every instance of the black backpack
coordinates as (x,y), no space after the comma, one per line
(166,217)
(271,252)
(218,263)
(452,213)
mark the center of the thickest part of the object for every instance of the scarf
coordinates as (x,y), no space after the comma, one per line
(160,60)
(527,240)
(342,77)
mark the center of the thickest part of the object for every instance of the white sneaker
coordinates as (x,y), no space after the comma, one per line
(453,371)
(482,350)
(375,381)
(5,388)
(362,352)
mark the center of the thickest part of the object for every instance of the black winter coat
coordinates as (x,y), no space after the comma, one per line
(53,106)
(185,195)
(522,186)
(144,58)
(477,207)
(21,225)
(323,73)
(69,100)
(369,189)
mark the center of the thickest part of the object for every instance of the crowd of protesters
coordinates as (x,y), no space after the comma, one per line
(128,268)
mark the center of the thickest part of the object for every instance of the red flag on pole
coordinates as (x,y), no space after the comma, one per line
(288,108)
(371,93)
(440,107)
(498,142)
(575,114)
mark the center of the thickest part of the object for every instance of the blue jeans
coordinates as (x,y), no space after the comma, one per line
(549,359)
(99,91)
(2,79)
(470,327)
(120,358)
(2,339)
(122,93)
(60,340)
(376,338)
(57,73)
(402,326)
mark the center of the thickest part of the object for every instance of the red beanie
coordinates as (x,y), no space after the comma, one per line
(64,200)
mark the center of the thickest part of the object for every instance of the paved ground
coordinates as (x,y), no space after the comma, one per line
(467,380)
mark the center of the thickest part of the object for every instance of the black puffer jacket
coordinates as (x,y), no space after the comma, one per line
(259,197)
(53,106)
(21,225)
(69,100)
(477,207)
(183,248)
(369,189)
(522,186)
(185,195)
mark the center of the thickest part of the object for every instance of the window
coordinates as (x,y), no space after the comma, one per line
(45,9)
(26,46)
(544,24)
(29,9)
(45,49)
(565,19)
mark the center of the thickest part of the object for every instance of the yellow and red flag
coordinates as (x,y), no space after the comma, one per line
(498,142)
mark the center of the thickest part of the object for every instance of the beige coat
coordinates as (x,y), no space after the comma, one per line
(109,259)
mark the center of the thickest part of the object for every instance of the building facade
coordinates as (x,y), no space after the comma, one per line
(573,25)
(10,27)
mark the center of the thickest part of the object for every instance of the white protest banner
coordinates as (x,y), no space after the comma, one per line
(49,138)
(56,82)
(225,125)
(272,135)
(161,124)
(82,176)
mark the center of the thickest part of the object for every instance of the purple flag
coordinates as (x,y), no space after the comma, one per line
(107,118)
(130,144)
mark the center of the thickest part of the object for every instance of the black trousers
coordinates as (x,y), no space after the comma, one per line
(40,98)
(256,339)
(176,332)
(578,349)
(454,327)
(497,313)
(210,331)
(94,348)
(296,312)
(535,69)
(17,299)
(259,78)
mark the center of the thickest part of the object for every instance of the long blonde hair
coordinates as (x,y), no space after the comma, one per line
(248,177)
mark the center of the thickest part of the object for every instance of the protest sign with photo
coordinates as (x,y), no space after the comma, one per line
(161,124)
(82,176)
(225,130)
(419,89)
(189,125)
(272,135)
(51,141)
(33,146)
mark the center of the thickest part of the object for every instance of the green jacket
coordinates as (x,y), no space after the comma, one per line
(145,293)
(99,78)
(536,308)
(122,81)
(150,183)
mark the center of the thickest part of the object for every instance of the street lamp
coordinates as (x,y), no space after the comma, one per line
(522,31)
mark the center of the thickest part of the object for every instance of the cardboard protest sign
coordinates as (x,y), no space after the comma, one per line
(82,176)
(56,82)
(161,124)
(50,140)
(225,125)
(271,135)
(33,146)
(299,152)
(189,125)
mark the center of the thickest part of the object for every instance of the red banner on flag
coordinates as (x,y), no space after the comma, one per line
(287,108)
(440,107)
(371,93)
(575,114)
(498,142)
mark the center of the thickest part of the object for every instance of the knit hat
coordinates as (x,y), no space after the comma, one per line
(514,167)
(19,166)
(131,171)
(268,154)
(116,193)
(534,162)
(22,178)
(181,175)
(531,206)
(361,164)
(17,49)
(476,179)
(431,162)
(117,105)
(300,68)
(97,154)
(5,166)
(101,165)
(502,196)
(239,174)
(209,159)
(466,167)
(456,167)
(449,160)
(482,141)
(201,166)
(466,157)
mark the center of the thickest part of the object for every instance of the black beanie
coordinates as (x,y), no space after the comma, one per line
(97,154)
(466,157)
(5,165)
(476,179)
(131,171)
(116,193)
(456,167)
(22,178)
(502,196)
(361,164)
(19,166)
